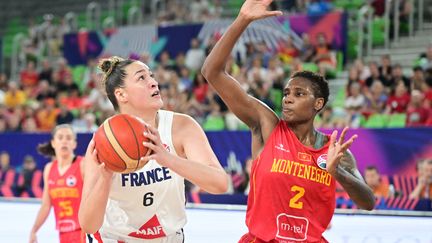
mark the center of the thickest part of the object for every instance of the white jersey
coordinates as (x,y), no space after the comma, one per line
(149,204)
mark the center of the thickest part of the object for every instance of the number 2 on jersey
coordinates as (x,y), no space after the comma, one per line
(294,201)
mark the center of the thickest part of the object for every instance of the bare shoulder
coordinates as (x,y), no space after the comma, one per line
(47,169)
(48,166)
(184,124)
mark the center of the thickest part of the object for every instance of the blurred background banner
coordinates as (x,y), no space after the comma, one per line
(82,46)
(393,151)
(333,25)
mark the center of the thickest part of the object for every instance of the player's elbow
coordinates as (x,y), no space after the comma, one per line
(368,205)
(88,228)
(208,71)
(222,185)
(87,224)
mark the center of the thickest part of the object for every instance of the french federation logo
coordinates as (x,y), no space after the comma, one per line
(71,181)
(322,161)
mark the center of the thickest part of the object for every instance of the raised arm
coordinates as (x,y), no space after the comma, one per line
(341,164)
(45,206)
(196,161)
(249,109)
(97,183)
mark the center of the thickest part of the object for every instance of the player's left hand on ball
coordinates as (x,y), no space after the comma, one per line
(159,153)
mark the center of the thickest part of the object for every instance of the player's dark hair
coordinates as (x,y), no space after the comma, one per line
(320,85)
(46,148)
(115,73)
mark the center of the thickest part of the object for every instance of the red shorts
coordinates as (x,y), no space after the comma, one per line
(249,238)
(77,236)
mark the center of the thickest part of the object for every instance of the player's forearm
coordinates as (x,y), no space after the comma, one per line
(216,60)
(93,205)
(210,179)
(359,192)
(41,217)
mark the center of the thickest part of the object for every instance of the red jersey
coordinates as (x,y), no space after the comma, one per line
(65,194)
(292,196)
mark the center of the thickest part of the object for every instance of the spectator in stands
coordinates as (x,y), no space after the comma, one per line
(3,81)
(397,75)
(14,96)
(385,69)
(29,76)
(418,80)
(324,56)
(165,61)
(67,85)
(46,72)
(45,91)
(376,99)
(363,70)
(46,116)
(307,50)
(185,83)
(199,87)
(417,114)
(374,180)
(319,7)
(375,75)
(426,58)
(64,116)
(7,175)
(353,77)
(28,121)
(63,69)
(29,179)
(354,103)
(85,123)
(424,184)
(287,51)
(195,56)
(398,100)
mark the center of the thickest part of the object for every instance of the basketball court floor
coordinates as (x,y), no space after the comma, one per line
(225,224)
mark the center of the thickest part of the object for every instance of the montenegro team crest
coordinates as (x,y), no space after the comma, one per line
(322,161)
(71,181)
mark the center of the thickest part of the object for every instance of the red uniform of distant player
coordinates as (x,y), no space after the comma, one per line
(290,190)
(65,193)
(63,185)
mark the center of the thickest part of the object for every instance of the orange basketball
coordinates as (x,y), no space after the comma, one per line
(119,143)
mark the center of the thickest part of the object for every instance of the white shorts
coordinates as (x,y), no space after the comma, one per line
(178,237)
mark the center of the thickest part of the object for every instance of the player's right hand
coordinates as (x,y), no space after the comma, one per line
(91,157)
(257,9)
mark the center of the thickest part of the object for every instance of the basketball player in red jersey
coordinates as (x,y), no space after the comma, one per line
(295,168)
(63,185)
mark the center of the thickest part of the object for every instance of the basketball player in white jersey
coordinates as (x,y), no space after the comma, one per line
(147,205)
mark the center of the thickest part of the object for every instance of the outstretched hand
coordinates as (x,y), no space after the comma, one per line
(257,9)
(91,157)
(159,152)
(337,149)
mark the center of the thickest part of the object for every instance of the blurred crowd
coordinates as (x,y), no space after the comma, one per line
(48,92)
(382,89)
